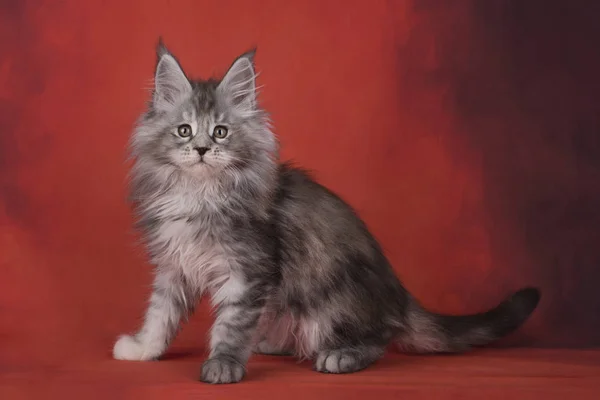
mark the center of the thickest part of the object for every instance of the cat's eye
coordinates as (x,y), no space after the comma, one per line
(220,132)
(184,131)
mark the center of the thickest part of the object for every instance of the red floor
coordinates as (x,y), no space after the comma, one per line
(485,374)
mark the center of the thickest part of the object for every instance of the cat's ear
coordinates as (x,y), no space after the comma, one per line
(171,85)
(238,87)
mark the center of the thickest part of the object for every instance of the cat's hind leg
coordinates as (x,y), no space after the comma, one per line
(265,348)
(347,359)
(276,337)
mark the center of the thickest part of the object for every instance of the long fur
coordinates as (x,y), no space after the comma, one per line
(288,265)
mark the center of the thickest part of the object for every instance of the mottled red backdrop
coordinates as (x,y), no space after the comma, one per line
(466,133)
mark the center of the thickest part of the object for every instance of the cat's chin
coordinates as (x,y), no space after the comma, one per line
(196,166)
(201,169)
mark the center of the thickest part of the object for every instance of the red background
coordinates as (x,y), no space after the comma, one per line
(465,133)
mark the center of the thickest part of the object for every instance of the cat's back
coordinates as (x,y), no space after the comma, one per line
(316,224)
(301,197)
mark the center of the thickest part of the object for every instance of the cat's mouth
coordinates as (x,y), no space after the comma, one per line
(203,162)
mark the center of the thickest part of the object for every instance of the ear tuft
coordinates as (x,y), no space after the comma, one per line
(161,49)
(171,85)
(250,54)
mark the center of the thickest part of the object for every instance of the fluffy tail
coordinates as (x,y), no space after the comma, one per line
(428,332)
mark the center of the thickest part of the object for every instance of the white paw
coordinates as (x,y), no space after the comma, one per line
(129,348)
(340,361)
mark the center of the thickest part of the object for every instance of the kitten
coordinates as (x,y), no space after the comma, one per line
(288,265)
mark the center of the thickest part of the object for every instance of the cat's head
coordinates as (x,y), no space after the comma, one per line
(204,128)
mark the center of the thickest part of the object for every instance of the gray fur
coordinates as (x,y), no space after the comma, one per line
(288,265)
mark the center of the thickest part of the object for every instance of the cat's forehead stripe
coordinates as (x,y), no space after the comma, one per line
(204,96)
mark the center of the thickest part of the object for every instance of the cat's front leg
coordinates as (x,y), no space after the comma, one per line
(170,300)
(239,308)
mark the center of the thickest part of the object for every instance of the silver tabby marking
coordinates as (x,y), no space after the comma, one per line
(288,265)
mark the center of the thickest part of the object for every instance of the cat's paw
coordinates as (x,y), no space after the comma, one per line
(222,370)
(340,361)
(129,348)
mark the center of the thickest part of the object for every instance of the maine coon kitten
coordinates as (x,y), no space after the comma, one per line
(288,265)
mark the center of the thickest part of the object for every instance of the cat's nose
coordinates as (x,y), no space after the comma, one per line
(201,150)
